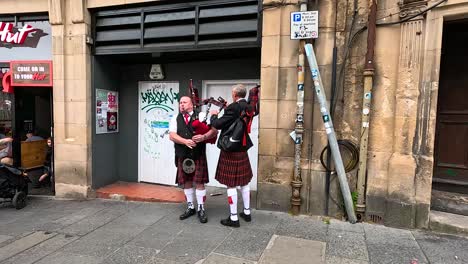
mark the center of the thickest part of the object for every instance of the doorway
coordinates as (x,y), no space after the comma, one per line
(33,116)
(451,139)
(216,89)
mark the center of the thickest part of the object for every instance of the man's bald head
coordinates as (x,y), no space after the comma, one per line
(185,104)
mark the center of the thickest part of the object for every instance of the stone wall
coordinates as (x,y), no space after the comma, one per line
(70,22)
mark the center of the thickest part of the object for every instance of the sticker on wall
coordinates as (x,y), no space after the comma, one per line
(107,108)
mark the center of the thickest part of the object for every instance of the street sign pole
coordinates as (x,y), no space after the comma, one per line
(329,129)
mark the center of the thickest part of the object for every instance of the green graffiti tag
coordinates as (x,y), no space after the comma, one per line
(159,98)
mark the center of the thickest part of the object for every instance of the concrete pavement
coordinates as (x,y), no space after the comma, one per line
(101,231)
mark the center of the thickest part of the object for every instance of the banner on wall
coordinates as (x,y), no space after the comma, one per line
(107,109)
(158,103)
(31,73)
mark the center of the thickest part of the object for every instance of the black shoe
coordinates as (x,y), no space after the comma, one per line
(202,216)
(188,213)
(246,218)
(229,222)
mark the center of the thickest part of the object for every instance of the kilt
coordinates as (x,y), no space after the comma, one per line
(199,176)
(234,169)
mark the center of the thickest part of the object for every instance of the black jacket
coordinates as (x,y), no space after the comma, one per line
(231,113)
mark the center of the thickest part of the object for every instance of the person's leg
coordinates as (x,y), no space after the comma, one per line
(201,198)
(45,175)
(233,219)
(246,200)
(188,190)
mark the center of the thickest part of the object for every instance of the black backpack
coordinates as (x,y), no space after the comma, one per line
(236,137)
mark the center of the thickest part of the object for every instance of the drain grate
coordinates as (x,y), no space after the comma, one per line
(375,218)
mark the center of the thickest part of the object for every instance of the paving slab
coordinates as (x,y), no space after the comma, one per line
(303,227)
(104,240)
(4,238)
(344,244)
(339,260)
(404,252)
(346,226)
(283,249)
(65,221)
(441,249)
(215,258)
(132,254)
(245,243)
(69,258)
(41,250)
(92,222)
(160,234)
(24,243)
(194,243)
(378,234)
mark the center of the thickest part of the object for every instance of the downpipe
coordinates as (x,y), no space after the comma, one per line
(366,108)
(299,128)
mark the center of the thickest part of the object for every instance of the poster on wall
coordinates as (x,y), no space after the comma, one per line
(107,109)
(158,102)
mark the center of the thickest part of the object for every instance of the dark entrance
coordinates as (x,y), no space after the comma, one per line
(32,113)
(451,142)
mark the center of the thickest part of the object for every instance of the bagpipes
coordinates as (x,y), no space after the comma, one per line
(201,127)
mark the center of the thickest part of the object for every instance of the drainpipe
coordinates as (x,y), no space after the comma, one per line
(299,128)
(366,107)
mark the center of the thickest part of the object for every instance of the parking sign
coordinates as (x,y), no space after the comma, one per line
(304,25)
(297,17)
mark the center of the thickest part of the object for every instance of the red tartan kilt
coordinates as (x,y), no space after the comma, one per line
(199,176)
(234,169)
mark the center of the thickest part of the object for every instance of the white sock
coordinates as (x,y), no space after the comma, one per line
(246,198)
(232,199)
(201,197)
(189,198)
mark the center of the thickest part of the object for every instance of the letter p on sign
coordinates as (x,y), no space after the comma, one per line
(297,18)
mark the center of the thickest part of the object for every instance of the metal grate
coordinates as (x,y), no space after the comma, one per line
(375,218)
(187,26)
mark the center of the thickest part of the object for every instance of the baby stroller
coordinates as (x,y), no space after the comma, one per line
(13,186)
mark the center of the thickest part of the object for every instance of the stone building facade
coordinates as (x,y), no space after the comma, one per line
(404,102)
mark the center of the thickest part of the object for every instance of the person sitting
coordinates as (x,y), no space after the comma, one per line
(47,163)
(32,137)
(6,155)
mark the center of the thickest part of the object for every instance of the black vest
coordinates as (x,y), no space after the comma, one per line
(186,131)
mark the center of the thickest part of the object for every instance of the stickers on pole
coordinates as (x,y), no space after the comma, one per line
(304,25)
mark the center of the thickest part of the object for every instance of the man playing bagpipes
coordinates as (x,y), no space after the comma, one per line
(234,168)
(190,153)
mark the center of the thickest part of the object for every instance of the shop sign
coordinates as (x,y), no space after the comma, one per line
(31,73)
(30,40)
(304,25)
(11,35)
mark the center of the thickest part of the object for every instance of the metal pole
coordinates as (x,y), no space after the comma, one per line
(366,106)
(330,132)
(299,128)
